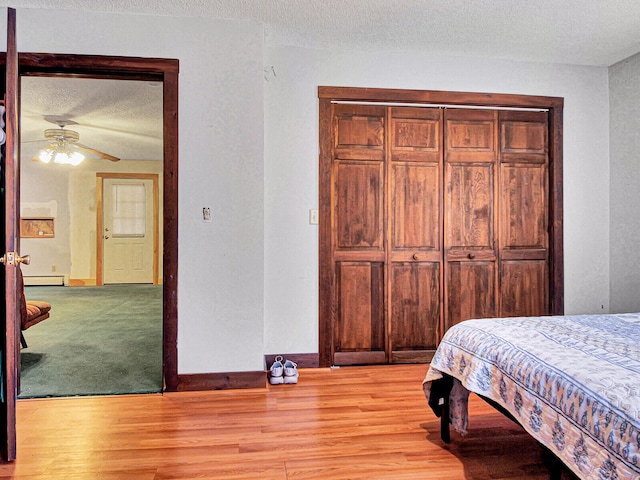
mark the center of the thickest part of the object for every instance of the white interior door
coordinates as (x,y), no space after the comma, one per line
(128,230)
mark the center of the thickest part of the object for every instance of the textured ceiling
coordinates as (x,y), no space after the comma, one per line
(121,118)
(588,32)
(585,32)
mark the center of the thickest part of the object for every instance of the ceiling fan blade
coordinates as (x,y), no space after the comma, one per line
(98,153)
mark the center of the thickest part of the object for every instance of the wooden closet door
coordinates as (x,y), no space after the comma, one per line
(358,226)
(470,214)
(415,217)
(401,262)
(524,236)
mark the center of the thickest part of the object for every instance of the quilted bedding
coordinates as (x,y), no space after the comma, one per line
(573,382)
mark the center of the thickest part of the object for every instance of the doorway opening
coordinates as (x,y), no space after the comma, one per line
(163,74)
(98,340)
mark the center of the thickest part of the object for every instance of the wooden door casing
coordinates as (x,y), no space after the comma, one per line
(501,271)
(92,66)
(149,69)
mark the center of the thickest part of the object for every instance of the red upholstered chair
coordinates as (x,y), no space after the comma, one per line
(32,312)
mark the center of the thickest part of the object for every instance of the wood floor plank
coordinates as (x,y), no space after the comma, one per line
(355,422)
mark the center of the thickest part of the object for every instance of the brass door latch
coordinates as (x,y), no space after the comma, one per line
(11,258)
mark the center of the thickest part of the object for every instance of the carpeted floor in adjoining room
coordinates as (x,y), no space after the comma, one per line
(98,341)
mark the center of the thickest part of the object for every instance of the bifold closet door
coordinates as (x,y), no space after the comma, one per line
(438,216)
(432,215)
(387,235)
(496,214)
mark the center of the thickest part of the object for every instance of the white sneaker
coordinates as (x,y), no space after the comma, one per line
(276,372)
(290,372)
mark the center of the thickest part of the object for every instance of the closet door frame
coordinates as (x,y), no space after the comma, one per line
(329,95)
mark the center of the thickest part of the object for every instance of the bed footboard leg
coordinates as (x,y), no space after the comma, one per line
(444,421)
(553,463)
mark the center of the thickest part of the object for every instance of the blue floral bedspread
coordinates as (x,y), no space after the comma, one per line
(573,382)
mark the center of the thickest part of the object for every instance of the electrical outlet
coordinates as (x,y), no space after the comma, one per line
(313,217)
(206,214)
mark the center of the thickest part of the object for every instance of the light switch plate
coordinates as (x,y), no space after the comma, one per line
(313,217)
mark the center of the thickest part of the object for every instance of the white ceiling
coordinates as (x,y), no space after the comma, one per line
(121,118)
(585,32)
(588,32)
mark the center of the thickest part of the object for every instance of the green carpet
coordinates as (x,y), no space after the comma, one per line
(97,341)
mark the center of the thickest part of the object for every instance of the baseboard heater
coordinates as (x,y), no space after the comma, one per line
(44,280)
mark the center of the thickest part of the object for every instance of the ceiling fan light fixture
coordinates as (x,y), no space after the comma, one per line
(64,158)
(45,156)
(64,146)
(61,157)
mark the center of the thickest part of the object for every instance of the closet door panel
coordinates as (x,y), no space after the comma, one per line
(524,288)
(469,206)
(416,207)
(524,137)
(359,333)
(524,207)
(416,134)
(470,135)
(471,291)
(358,132)
(359,214)
(415,310)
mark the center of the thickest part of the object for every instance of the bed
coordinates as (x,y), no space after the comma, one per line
(572,382)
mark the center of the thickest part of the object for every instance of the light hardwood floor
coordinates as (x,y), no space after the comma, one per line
(347,423)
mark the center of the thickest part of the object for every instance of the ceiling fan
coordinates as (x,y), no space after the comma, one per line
(64,147)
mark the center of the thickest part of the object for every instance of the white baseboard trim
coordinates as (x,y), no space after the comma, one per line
(44,280)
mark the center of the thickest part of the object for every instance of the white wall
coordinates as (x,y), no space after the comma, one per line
(44,192)
(248,282)
(624,81)
(72,252)
(291,167)
(220,277)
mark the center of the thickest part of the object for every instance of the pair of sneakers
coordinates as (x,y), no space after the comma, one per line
(286,372)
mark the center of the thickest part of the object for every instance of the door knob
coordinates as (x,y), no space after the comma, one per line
(11,258)
(471,256)
(415,256)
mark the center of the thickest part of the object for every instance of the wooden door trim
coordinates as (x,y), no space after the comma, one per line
(11,348)
(438,98)
(327,280)
(100,177)
(331,94)
(147,69)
